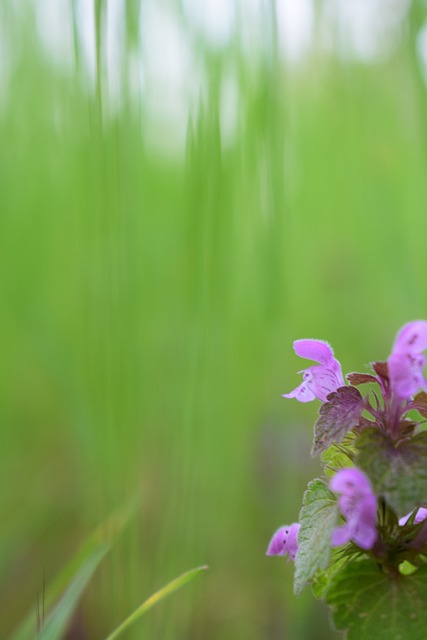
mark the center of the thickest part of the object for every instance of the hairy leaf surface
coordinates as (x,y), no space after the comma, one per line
(372,604)
(398,471)
(337,417)
(318,517)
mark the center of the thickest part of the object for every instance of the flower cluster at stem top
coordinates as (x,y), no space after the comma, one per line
(399,379)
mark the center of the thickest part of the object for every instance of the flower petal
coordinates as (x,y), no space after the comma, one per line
(350,481)
(277,546)
(319,380)
(346,504)
(341,535)
(317,350)
(285,541)
(322,381)
(292,541)
(406,373)
(358,504)
(412,338)
(420,516)
(301,393)
(365,535)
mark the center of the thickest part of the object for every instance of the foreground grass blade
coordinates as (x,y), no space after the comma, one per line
(105,533)
(59,619)
(172,586)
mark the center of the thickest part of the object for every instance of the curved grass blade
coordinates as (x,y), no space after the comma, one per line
(105,533)
(172,586)
(59,618)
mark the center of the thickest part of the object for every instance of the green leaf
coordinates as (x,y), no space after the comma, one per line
(322,578)
(398,471)
(318,517)
(172,586)
(59,619)
(336,417)
(372,604)
(339,456)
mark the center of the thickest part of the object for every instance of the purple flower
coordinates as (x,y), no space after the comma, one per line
(359,506)
(419,517)
(406,362)
(319,380)
(285,541)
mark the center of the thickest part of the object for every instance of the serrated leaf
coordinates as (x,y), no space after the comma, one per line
(360,378)
(336,417)
(372,604)
(398,471)
(318,517)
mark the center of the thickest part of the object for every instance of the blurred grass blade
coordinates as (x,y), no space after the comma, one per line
(99,538)
(172,586)
(59,619)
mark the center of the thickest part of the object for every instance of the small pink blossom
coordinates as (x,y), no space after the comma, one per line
(419,517)
(358,505)
(406,362)
(285,541)
(319,380)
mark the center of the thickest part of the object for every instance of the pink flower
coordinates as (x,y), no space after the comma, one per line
(359,506)
(285,541)
(419,517)
(319,380)
(406,362)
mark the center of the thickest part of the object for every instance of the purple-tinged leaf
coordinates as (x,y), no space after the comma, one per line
(381,369)
(360,378)
(397,470)
(337,416)
(419,403)
(364,423)
(407,428)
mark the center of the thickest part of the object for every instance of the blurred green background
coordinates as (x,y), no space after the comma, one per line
(186,188)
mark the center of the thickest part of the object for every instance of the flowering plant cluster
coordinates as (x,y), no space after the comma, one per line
(361,539)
